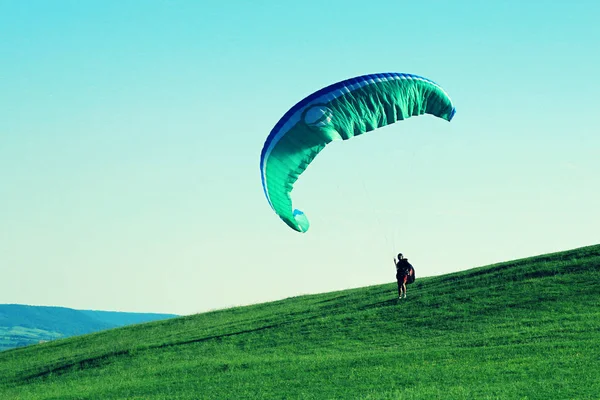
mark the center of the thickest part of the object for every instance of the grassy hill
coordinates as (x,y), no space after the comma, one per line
(22,325)
(524,329)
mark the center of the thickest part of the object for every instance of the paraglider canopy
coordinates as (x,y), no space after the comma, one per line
(339,112)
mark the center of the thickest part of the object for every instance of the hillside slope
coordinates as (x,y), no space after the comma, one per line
(528,328)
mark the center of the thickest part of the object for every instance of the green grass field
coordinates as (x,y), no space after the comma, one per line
(524,329)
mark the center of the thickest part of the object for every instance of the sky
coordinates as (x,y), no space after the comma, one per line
(131,132)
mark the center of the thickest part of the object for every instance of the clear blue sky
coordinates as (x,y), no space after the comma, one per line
(131,131)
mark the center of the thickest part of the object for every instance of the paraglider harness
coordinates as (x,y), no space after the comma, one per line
(404,268)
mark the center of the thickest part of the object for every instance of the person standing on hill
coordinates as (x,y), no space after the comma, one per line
(404,273)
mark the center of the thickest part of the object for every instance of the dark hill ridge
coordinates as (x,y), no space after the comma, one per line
(119,318)
(56,319)
(22,325)
(527,328)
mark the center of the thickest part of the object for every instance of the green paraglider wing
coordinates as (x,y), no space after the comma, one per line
(340,112)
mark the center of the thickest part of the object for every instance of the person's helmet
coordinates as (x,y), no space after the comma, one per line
(399,256)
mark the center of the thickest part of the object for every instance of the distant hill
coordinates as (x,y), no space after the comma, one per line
(118,318)
(521,329)
(22,325)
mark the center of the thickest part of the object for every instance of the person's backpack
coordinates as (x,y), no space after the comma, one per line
(411,276)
